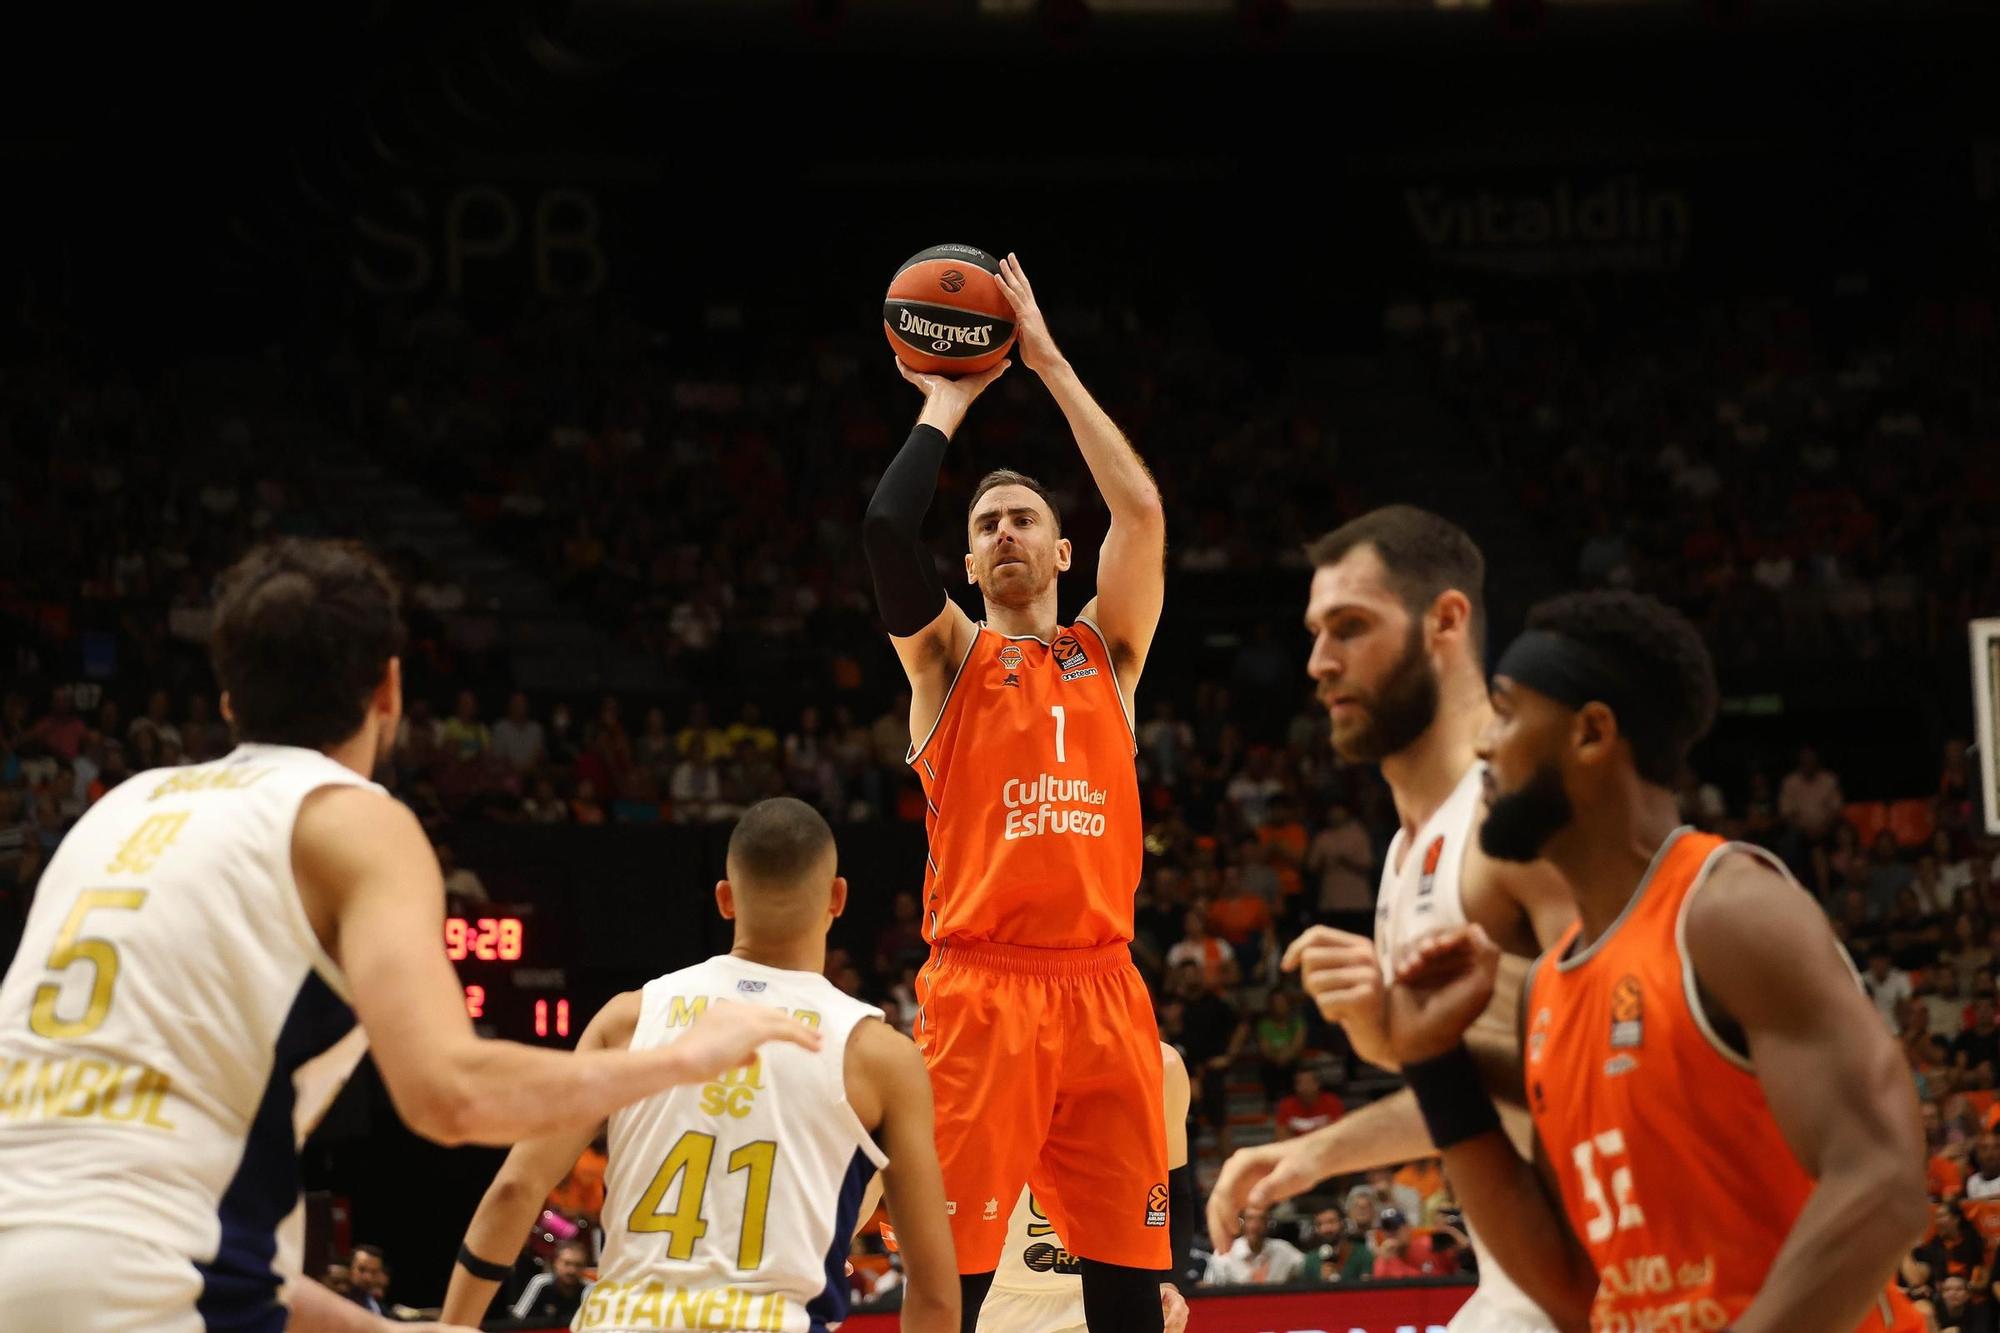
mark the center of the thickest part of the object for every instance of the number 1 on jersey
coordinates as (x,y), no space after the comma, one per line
(1062,754)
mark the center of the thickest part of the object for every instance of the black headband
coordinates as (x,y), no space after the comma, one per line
(1573,674)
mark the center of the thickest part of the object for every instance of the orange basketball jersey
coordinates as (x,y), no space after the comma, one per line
(1672,1168)
(1032,797)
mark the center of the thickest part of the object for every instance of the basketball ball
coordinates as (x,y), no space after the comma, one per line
(945,313)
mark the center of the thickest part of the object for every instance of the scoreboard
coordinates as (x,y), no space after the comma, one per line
(515,983)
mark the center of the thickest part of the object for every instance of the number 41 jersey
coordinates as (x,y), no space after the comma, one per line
(730,1204)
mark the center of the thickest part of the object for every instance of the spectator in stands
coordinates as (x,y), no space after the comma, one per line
(556,1295)
(1405,1252)
(655,751)
(63,730)
(1255,787)
(1306,1107)
(1256,1258)
(544,806)
(697,788)
(1394,1193)
(460,882)
(463,737)
(1342,858)
(1339,1250)
(1976,1052)
(1213,1035)
(1887,875)
(809,773)
(1955,1249)
(370,1275)
(749,728)
(1242,917)
(517,737)
(201,735)
(1199,949)
(1985,1180)
(1954,868)
(585,807)
(1889,986)
(337,1279)
(1166,743)
(700,738)
(900,944)
(1280,1033)
(1957,1312)
(1810,800)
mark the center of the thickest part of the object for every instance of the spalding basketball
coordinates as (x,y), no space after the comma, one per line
(945,313)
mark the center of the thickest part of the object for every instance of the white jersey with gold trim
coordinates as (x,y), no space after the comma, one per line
(168,1002)
(730,1204)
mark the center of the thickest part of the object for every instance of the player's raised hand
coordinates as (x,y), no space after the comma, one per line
(1444,981)
(1340,973)
(728,1035)
(1257,1178)
(1036,345)
(1173,1309)
(946,397)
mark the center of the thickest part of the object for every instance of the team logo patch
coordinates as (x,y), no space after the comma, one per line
(1432,855)
(1010,657)
(1619,1064)
(751,987)
(1068,652)
(992,1210)
(1156,1206)
(1627,1014)
(1013,680)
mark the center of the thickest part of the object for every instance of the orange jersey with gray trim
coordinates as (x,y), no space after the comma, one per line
(1032,796)
(1673,1171)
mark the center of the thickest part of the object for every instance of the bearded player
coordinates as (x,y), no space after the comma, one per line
(1726,1136)
(1397,617)
(1037,1029)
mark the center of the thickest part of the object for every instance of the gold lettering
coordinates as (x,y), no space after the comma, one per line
(773,1318)
(126,1083)
(147,844)
(648,1309)
(11,1090)
(681,1011)
(209,779)
(807,1017)
(154,1087)
(51,1086)
(90,1076)
(683,1308)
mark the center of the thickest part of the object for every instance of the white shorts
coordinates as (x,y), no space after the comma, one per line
(82,1280)
(1032,1312)
(1503,1311)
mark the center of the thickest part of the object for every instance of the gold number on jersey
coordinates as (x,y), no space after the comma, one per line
(693,1155)
(760,1159)
(1062,722)
(102,955)
(1604,1218)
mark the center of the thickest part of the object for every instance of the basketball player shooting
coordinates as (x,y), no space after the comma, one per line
(1397,612)
(730,1205)
(1726,1134)
(1037,1029)
(198,951)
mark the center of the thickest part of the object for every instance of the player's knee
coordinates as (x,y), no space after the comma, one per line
(1115,1296)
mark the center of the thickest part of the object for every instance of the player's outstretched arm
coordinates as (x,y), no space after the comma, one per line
(536,1166)
(375,896)
(1132,564)
(889,1088)
(314,1309)
(1833,1076)
(1443,983)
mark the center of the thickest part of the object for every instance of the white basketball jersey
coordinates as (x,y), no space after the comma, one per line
(168,1000)
(730,1205)
(1420,893)
(1035,1259)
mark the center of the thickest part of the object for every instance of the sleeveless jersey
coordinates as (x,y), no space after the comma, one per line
(1420,893)
(167,1011)
(1035,1259)
(730,1204)
(1032,797)
(1672,1168)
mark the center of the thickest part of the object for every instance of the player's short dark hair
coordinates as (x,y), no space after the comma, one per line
(302,634)
(1661,653)
(778,841)
(1422,553)
(374,1251)
(1009,477)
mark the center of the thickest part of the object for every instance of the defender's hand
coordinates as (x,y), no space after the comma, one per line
(1340,973)
(1444,982)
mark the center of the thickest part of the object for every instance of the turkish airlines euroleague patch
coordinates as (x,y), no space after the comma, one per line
(1156,1206)
(1068,652)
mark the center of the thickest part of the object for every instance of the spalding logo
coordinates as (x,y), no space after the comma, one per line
(951,280)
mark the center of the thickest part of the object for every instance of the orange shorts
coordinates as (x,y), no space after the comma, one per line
(1046,1068)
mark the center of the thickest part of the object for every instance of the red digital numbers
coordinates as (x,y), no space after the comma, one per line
(489,939)
(542,1018)
(475,1001)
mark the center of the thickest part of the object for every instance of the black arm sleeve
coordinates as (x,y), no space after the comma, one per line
(1181,1210)
(907,588)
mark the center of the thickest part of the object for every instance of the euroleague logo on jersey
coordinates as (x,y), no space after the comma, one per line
(1071,659)
(1156,1206)
(1628,1014)
(1432,855)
